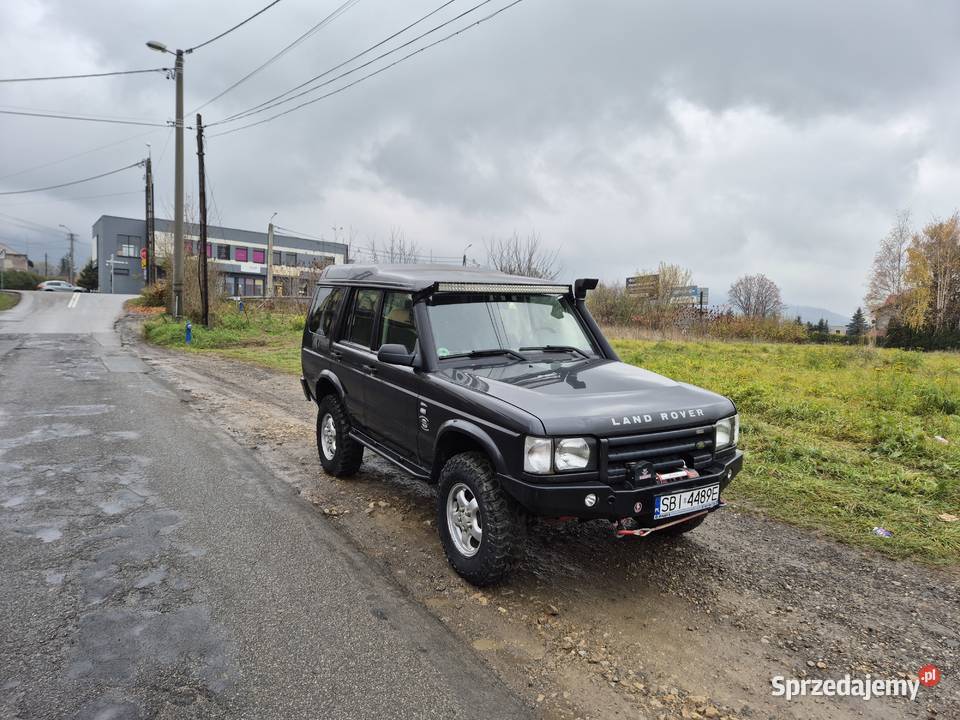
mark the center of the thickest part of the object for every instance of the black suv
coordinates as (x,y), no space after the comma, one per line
(503,391)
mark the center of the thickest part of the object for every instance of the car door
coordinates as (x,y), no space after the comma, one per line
(353,354)
(393,395)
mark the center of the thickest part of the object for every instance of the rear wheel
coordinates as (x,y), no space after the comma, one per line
(479,524)
(340,454)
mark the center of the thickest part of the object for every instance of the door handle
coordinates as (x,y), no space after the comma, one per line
(336,353)
(370,369)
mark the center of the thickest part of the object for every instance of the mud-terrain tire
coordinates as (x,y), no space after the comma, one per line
(470,477)
(680,528)
(340,454)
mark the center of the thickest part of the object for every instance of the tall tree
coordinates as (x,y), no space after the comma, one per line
(933,277)
(857,326)
(756,296)
(888,275)
(526,256)
(88,277)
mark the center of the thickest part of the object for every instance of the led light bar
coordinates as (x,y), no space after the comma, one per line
(469,287)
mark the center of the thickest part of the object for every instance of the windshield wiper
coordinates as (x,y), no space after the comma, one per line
(490,352)
(558,348)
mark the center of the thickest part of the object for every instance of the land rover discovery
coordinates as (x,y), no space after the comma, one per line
(502,391)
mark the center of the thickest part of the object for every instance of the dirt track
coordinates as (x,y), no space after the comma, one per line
(591,626)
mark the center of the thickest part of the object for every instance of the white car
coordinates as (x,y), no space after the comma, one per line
(59,286)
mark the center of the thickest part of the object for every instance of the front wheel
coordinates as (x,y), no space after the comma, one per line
(340,454)
(479,524)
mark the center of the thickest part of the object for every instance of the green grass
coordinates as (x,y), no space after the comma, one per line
(837,439)
(270,340)
(8,300)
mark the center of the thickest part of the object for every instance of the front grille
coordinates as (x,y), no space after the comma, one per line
(667,450)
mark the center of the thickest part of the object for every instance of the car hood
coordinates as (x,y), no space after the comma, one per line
(594,397)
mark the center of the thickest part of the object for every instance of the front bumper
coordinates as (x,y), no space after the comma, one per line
(613,501)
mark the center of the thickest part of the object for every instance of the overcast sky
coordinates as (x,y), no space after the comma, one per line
(729,137)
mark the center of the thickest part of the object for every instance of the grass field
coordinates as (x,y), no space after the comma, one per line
(8,300)
(838,439)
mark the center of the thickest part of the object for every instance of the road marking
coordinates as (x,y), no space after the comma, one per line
(73,301)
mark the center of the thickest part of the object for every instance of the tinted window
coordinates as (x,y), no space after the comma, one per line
(363,317)
(397,326)
(324,310)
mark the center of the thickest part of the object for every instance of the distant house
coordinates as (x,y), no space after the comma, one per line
(15,260)
(883,314)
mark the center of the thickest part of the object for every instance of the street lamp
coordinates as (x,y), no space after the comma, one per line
(465,254)
(70,235)
(177,295)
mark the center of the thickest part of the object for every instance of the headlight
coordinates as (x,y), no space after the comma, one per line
(728,432)
(536,455)
(572,454)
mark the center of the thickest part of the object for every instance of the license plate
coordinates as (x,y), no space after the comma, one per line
(686,501)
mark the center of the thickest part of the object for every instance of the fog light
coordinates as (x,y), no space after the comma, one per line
(729,474)
(590,500)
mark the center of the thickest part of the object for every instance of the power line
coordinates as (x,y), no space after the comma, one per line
(325,21)
(267,104)
(364,251)
(73,182)
(87,75)
(238,25)
(23,222)
(59,116)
(372,74)
(79,154)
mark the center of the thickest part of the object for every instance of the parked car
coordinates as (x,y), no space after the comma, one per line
(59,286)
(503,392)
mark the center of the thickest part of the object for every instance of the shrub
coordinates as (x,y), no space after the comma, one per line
(20,280)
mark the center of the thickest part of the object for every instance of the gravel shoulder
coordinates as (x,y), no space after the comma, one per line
(592,626)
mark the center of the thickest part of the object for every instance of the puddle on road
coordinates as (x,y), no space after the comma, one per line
(48,534)
(13,502)
(70,411)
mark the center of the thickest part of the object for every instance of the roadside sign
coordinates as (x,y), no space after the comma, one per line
(644,286)
(685,291)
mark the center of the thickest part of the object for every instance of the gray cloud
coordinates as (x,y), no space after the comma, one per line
(729,137)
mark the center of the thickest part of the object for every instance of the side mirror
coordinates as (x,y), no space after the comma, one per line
(395,354)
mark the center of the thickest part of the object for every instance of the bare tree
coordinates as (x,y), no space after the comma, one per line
(397,250)
(756,296)
(890,264)
(526,256)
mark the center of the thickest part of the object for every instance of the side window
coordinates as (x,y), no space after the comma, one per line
(363,317)
(330,311)
(316,311)
(397,326)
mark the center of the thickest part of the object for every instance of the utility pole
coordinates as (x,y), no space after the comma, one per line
(72,237)
(270,256)
(202,260)
(176,297)
(178,196)
(151,274)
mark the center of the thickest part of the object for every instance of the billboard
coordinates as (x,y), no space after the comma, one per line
(643,286)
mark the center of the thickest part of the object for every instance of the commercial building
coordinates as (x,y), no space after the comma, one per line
(240,256)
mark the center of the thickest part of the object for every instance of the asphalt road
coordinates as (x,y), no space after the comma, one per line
(151,567)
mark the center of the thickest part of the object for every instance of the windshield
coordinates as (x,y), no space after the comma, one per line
(468,323)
